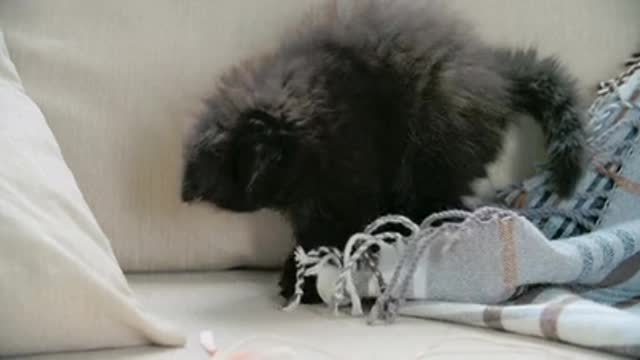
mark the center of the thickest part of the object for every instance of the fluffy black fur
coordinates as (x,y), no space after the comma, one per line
(391,109)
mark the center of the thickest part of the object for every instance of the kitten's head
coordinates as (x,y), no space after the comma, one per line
(254,147)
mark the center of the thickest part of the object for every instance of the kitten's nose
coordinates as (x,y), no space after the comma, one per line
(187,195)
(191,189)
(190,193)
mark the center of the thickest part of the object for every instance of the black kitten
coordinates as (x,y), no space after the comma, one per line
(392,109)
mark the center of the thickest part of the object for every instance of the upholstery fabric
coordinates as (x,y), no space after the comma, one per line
(238,305)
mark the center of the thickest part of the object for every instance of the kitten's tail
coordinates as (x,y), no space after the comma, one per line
(545,90)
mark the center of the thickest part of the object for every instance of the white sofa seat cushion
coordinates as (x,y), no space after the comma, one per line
(239,305)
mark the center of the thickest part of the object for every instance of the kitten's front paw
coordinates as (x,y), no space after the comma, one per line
(471,203)
(288,282)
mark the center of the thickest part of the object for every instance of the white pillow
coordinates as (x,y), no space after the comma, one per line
(120,81)
(60,285)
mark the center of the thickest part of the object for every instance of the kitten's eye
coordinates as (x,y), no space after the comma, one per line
(259,118)
(244,165)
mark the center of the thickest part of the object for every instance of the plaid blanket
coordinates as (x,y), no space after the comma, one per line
(498,268)
(479,271)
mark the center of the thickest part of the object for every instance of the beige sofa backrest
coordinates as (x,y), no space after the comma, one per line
(121,81)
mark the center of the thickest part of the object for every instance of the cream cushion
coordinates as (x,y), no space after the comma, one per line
(238,306)
(120,82)
(60,285)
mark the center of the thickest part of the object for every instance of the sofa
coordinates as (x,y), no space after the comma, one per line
(121,82)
